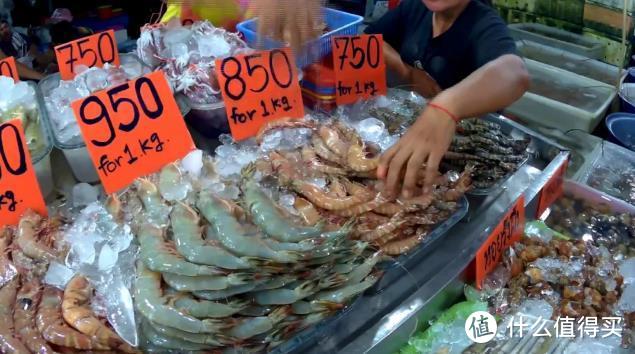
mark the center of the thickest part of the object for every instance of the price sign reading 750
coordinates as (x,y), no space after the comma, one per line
(19,188)
(360,71)
(258,88)
(132,130)
(95,50)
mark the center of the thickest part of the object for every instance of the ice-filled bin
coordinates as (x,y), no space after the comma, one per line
(561,99)
(19,100)
(65,132)
(557,38)
(613,172)
(575,63)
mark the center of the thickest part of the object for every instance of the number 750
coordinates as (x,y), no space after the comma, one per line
(370,56)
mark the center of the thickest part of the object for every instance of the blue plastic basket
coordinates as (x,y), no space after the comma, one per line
(622,129)
(341,23)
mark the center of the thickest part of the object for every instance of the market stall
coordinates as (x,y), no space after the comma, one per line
(282,238)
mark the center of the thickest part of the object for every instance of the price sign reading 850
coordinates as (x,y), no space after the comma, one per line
(258,88)
(360,70)
(19,188)
(95,50)
(132,130)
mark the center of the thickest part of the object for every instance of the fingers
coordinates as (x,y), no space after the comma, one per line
(432,170)
(412,173)
(384,161)
(393,182)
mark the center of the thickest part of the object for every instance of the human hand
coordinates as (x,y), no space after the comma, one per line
(293,21)
(425,143)
(423,83)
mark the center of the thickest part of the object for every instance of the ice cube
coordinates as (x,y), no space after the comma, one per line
(371,129)
(318,182)
(107,258)
(225,139)
(179,51)
(176,35)
(627,301)
(80,69)
(213,46)
(226,151)
(58,275)
(84,194)
(388,141)
(271,141)
(245,157)
(537,308)
(230,192)
(627,270)
(96,79)
(227,168)
(120,309)
(192,163)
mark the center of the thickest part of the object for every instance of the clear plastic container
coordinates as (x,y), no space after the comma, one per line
(558,38)
(40,154)
(561,99)
(75,151)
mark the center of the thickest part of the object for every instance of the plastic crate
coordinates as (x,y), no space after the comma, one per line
(339,22)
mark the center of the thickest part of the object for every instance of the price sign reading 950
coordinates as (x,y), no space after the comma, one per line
(258,88)
(19,188)
(507,232)
(95,50)
(360,70)
(9,69)
(132,130)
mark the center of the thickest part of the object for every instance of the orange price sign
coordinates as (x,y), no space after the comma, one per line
(507,232)
(19,188)
(258,88)
(132,130)
(94,50)
(360,70)
(9,69)
(552,190)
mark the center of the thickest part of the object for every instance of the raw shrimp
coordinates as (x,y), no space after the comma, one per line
(31,227)
(227,293)
(282,124)
(393,224)
(7,269)
(309,156)
(156,211)
(206,282)
(53,328)
(226,229)
(345,293)
(187,238)
(113,207)
(336,188)
(26,303)
(160,256)
(265,216)
(323,151)
(276,282)
(398,247)
(287,295)
(208,309)
(302,246)
(172,186)
(332,140)
(76,312)
(250,327)
(307,211)
(151,303)
(256,311)
(9,343)
(363,207)
(215,339)
(360,272)
(318,197)
(287,328)
(308,307)
(166,342)
(332,281)
(357,160)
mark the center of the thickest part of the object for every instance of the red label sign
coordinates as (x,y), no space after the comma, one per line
(19,188)
(258,88)
(94,50)
(132,130)
(552,191)
(360,71)
(9,69)
(507,232)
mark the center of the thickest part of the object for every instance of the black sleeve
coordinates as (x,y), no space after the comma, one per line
(491,40)
(391,25)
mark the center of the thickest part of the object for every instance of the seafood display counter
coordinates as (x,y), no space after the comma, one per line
(382,321)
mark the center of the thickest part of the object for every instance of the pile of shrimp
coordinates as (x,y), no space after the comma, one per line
(337,154)
(37,318)
(241,274)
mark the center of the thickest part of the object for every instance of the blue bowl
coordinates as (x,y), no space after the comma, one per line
(621,127)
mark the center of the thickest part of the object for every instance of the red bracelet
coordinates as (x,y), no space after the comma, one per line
(445,110)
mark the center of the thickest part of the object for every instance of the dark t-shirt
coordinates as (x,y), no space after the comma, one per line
(477,36)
